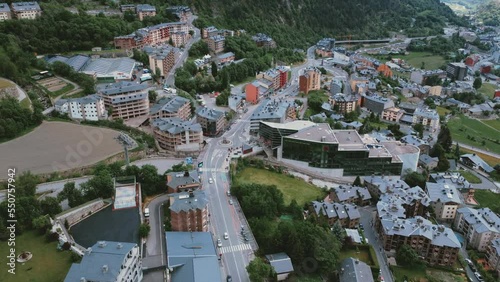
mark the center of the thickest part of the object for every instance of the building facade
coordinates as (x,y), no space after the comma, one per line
(87,108)
(457,71)
(445,200)
(125,100)
(212,121)
(161,58)
(145,10)
(310,80)
(429,118)
(493,255)
(376,104)
(350,195)
(178,136)
(343,103)
(183,181)
(346,214)
(26,10)
(189,211)
(170,107)
(479,226)
(252,92)
(436,244)
(392,114)
(5,13)
(108,261)
(216,43)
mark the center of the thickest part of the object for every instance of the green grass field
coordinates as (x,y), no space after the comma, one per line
(442,111)
(430,60)
(47,265)
(5,83)
(487,89)
(469,176)
(495,123)
(492,161)
(362,255)
(462,126)
(292,188)
(419,273)
(63,90)
(486,198)
(25,103)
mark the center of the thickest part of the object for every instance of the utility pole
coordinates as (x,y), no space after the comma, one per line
(127,142)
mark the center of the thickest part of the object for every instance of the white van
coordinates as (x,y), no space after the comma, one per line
(146,212)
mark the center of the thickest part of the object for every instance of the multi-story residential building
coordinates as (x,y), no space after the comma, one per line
(429,118)
(474,161)
(346,214)
(479,226)
(354,270)
(310,80)
(378,185)
(179,38)
(445,200)
(209,31)
(263,40)
(189,211)
(350,195)
(212,121)
(161,58)
(253,92)
(169,107)
(336,86)
(178,136)
(356,80)
(26,10)
(127,7)
(216,43)
(183,181)
(145,10)
(125,99)
(87,108)
(324,47)
(343,103)
(5,13)
(192,256)
(151,35)
(181,12)
(436,244)
(225,58)
(273,76)
(108,261)
(392,114)
(284,75)
(403,203)
(457,71)
(420,76)
(376,104)
(493,255)
(271,111)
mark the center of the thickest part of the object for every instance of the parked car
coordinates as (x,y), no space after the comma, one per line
(478,276)
(469,262)
(230,201)
(146,212)
(219,243)
(228,193)
(210,180)
(226,236)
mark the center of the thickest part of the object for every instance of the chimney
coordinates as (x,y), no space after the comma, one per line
(169,178)
(105,268)
(191,194)
(357,261)
(186,173)
(83,279)
(119,246)
(323,138)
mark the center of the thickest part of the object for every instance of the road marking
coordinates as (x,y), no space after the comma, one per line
(237,248)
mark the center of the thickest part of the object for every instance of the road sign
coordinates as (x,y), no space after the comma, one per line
(189,160)
(200,164)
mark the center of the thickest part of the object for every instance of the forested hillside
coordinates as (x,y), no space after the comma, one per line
(489,13)
(299,23)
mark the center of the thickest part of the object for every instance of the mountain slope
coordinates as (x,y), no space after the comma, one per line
(489,13)
(302,22)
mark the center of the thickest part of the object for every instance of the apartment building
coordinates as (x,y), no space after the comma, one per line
(216,43)
(212,121)
(324,47)
(209,31)
(273,76)
(493,255)
(177,136)
(429,118)
(378,185)
(457,71)
(343,103)
(125,99)
(145,10)
(479,226)
(26,10)
(189,211)
(183,181)
(403,203)
(170,107)
(445,200)
(181,12)
(359,196)
(5,13)
(151,35)
(310,80)
(225,58)
(392,114)
(346,214)
(436,244)
(161,58)
(86,108)
(179,38)
(108,261)
(420,76)
(271,111)
(263,40)
(376,104)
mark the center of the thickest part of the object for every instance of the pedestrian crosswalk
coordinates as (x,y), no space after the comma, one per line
(236,248)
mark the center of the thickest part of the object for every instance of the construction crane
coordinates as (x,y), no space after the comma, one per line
(127,143)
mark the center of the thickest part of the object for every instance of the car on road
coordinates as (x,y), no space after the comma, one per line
(228,193)
(478,276)
(226,236)
(146,212)
(230,201)
(210,180)
(229,278)
(219,243)
(469,262)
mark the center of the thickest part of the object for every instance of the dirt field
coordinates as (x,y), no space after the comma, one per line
(52,84)
(58,146)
